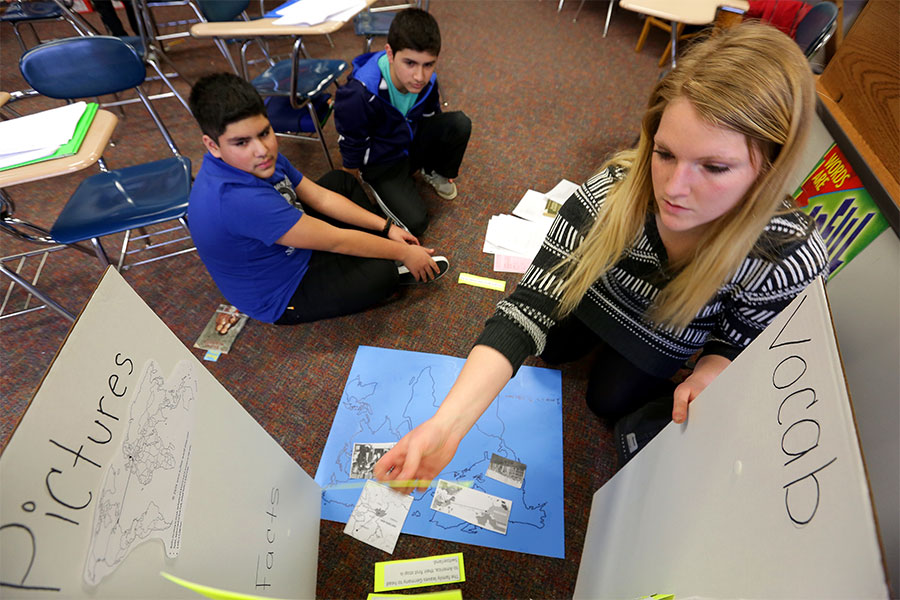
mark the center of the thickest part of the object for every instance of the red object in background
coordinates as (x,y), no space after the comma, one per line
(833,174)
(783,14)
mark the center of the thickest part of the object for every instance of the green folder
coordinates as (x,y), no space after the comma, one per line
(72,146)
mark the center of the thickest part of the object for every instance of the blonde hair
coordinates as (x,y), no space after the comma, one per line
(751,79)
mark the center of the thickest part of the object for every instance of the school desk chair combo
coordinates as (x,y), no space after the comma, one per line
(673,16)
(377,21)
(293,84)
(110,202)
(30,13)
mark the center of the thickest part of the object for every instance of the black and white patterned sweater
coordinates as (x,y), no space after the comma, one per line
(615,305)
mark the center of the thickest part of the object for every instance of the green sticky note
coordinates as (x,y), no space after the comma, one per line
(419,572)
(444,595)
(211,592)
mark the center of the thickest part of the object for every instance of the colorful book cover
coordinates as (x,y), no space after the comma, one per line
(844,212)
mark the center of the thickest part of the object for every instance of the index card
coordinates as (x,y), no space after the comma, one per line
(419,572)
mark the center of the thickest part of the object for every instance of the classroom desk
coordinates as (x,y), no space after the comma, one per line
(689,12)
(90,152)
(266,27)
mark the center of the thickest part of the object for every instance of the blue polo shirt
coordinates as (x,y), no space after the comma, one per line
(235,219)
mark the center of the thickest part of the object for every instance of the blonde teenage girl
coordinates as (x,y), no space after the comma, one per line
(686,243)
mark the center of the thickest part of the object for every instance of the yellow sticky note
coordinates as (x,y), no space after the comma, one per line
(444,595)
(211,592)
(418,572)
(482,282)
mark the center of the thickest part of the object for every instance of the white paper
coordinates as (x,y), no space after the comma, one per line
(512,235)
(38,135)
(472,506)
(146,484)
(531,207)
(562,191)
(378,516)
(314,12)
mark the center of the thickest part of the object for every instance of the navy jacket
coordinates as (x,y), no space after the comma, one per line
(370,130)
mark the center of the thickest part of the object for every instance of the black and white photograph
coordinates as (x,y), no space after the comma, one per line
(365,456)
(506,470)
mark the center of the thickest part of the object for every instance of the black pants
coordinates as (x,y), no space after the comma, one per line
(439,146)
(338,284)
(110,19)
(616,386)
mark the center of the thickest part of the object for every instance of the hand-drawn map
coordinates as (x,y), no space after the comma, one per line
(389,392)
(378,516)
(146,483)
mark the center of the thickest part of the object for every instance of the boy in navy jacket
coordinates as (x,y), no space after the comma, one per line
(390,125)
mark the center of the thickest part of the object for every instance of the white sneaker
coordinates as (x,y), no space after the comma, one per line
(445,188)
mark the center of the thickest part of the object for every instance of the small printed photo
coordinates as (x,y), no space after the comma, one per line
(506,470)
(365,456)
(211,339)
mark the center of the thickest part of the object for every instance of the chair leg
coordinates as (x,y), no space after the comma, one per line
(643,37)
(124,250)
(608,17)
(318,126)
(669,52)
(169,85)
(37,293)
(559,8)
(578,12)
(223,48)
(101,254)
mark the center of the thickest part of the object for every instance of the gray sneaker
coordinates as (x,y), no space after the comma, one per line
(445,188)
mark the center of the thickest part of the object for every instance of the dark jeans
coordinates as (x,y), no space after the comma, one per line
(616,386)
(111,20)
(439,146)
(338,284)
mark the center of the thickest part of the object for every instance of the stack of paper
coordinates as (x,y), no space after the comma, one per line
(307,13)
(515,239)
(48,134)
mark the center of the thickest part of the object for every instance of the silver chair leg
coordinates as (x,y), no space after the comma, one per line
(608,16)
(559,8)
(36,293)
(578,12)
(315,118)
(101,254)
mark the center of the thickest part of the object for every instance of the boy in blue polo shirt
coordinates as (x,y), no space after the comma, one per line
(390,125)
(280,247)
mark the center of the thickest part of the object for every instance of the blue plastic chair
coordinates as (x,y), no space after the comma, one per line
(29,13)
(301,81)
(816,28)
(125,199)
(377,21)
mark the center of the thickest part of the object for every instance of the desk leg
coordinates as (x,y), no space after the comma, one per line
(674,34)
(36,293)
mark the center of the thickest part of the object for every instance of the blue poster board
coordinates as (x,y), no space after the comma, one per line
(389,392)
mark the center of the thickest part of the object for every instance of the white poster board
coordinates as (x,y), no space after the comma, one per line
(761,494)
(129,436)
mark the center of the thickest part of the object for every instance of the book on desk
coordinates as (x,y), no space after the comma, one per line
(50,134)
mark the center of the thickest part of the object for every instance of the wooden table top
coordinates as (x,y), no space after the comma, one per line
(90,152)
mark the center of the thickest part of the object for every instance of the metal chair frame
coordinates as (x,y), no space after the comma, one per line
(64,15)
(608,14)
(296,50)
(12,266)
